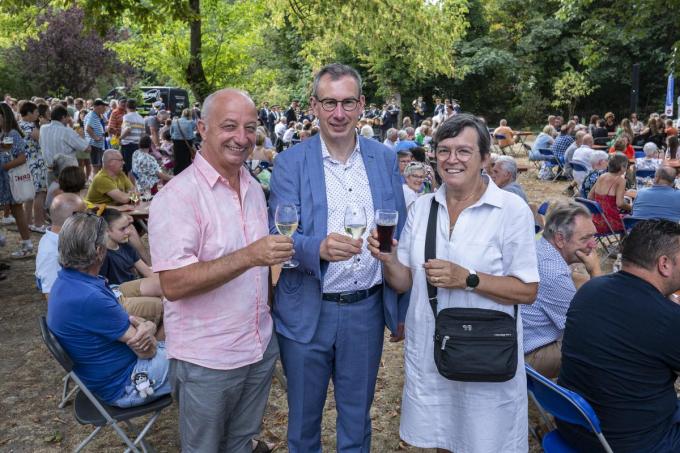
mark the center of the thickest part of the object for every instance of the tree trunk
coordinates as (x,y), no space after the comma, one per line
(194,72)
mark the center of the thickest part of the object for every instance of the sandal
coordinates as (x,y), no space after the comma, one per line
(22,253)
(37,229)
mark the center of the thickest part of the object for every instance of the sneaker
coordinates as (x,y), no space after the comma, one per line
(38,229)
(8,220)
(23,252)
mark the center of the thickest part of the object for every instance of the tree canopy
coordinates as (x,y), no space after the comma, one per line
(499,58)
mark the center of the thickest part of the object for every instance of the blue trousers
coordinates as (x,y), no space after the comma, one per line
(346,347)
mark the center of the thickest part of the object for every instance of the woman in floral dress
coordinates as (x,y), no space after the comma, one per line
(10,158)
(35,213)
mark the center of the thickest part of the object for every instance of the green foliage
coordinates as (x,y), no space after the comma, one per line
(570,87)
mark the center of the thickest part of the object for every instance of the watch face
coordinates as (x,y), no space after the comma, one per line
(472,281)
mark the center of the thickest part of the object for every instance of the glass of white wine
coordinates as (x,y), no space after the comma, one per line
(355,225)
(286,220)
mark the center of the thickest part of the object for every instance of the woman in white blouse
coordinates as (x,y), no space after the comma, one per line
(414,174)
(481,230)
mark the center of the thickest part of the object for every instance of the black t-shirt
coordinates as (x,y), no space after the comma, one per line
(619,352)
(118,266)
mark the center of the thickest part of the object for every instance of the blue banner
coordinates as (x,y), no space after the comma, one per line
(669,96)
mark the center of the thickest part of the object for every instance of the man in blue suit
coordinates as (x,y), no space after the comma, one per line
(329,316)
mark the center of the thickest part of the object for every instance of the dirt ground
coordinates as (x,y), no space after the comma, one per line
(31,380)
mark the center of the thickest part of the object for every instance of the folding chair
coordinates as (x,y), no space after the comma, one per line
(578,166)
(552,160)
(595,208)
(639,154)
(565,405)
(89,410)
(630,221)
(497,141)
(543,208)
(644,175)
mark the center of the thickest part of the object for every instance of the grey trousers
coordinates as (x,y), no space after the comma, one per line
(222,410)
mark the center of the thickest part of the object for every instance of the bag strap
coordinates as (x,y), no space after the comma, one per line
(192,151)
(431,251)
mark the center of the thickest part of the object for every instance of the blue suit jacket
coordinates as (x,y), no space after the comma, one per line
(298,178)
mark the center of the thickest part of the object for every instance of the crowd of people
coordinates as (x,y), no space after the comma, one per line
(195,311)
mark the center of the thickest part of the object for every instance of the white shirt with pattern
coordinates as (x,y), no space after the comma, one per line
(348,183)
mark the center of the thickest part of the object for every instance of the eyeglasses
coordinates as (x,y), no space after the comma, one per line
(462,155)
(348,105)
(100,222)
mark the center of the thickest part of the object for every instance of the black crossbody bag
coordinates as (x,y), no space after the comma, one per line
(470,344)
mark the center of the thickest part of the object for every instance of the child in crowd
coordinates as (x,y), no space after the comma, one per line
(122,264)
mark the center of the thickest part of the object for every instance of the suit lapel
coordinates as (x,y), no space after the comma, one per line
(374,172)
(317,185)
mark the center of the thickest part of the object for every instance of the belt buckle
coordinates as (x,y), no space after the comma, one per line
(343,297)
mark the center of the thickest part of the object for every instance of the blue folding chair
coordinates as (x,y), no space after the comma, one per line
(543,208)
(551,160)
(565,405)
(497,141)
(595,208)
(644,175)
(578,166)
(639,154)
(630,221)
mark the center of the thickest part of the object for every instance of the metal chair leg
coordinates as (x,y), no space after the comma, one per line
(88,439)
(66,395)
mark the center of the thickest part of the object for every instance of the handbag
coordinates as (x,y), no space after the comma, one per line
(21,184)
(192,150)
(470,344)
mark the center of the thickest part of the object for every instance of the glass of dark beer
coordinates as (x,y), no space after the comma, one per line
(386,221)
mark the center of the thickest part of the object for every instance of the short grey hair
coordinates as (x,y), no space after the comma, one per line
(62,161)
(561,217)
(335,71)
(413,167)
(392,132)
(109,154)
(665,174)
(650,149)
(598,156)
(81,240)
(508,164)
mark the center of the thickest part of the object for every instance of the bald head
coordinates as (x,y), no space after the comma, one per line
(665,176)
(578,137)
(587,140)
(63,206)
(224,95)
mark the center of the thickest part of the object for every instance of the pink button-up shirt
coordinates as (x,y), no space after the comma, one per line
(198,217)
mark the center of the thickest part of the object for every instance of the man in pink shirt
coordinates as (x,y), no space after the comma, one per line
(209,241)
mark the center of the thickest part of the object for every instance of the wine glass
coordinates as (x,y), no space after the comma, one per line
(355,225)
(286,220)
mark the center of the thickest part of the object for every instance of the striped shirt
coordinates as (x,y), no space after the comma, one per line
(544,320)
(94,121)
(56,138)
(133,122)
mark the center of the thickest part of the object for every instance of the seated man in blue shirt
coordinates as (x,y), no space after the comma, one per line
(661,201)
(111,351)
(568,238)
(621,350)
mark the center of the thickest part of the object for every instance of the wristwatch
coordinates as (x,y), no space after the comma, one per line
(472,280)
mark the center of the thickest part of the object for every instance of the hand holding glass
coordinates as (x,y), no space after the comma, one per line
(386,222)
(286,220)
(355,225)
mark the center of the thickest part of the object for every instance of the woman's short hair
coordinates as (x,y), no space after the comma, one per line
(27,107)
(259,137)
(650,149)
(560,219)
(80,241)
(413,167)
(598,156)
(617,162)
(186,113)
(367,131)
(145,142)
(72,179)
(453,126)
